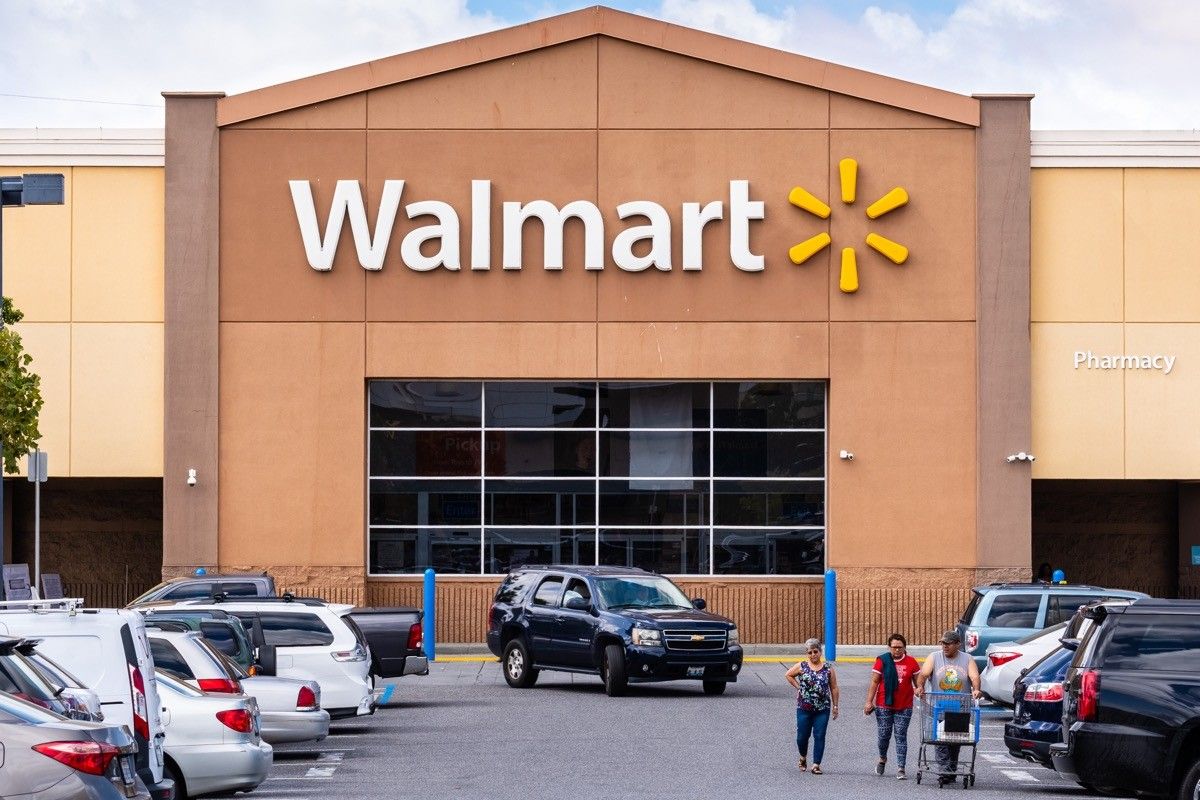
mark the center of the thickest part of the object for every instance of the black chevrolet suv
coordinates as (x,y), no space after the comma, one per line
(1131,711)
(620,623)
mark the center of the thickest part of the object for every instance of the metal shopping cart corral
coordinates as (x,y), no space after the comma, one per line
(949,719)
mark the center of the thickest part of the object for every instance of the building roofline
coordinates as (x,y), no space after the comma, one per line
(1162,149)
(597,21)
(81,147)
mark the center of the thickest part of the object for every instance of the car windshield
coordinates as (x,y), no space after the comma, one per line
(650,591)
(231,666)
(26,711)
(57,671)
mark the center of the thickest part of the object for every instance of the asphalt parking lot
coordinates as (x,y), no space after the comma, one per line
(462,732)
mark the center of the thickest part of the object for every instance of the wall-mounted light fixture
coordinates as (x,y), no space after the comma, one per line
(1021,456)
(191,478)
(846,455)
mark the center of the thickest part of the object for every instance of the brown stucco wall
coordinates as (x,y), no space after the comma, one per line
(606,119)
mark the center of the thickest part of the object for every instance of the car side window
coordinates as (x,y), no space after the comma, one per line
(1161,643)
(168,659)
(514,587)
(220,636)
(189,591)
(294,630)
(548,591)
(1062,607)
(577,589)
(1014,610)
(238,589)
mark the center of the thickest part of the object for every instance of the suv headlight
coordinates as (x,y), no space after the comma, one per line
(734,638)
(647,637)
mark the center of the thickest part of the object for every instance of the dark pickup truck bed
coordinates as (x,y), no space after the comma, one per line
(395,645)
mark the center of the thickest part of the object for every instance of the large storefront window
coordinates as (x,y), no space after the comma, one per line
(683,478)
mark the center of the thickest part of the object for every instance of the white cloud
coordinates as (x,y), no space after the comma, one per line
(1100,64)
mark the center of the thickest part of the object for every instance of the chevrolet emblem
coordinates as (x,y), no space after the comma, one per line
(697,637)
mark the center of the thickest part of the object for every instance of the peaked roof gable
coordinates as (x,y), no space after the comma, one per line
(598,21)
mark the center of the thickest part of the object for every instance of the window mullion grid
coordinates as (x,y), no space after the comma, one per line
(482,476)
(712,497)
(596,491)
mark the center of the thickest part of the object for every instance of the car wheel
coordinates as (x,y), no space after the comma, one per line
(172,772)
(613,671)
(1190,787)
(518,667)
(714,687)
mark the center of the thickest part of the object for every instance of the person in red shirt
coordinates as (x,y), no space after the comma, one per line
(890,699)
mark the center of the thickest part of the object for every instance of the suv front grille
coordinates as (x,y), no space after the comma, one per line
(694,640)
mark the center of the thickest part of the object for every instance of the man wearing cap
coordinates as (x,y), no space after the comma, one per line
(951,671)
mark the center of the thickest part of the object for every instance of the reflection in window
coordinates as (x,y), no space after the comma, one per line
(768,552)
(655,549)
(508,548)
(676,477)
(400,550)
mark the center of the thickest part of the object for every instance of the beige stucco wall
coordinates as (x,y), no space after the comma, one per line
(1113,272)
(89,276)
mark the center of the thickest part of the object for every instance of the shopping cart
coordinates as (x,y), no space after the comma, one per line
(949,719)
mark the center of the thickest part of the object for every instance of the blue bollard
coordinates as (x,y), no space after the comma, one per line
(830,615)
(430,620)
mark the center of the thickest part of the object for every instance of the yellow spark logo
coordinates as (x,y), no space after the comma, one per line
(893,251)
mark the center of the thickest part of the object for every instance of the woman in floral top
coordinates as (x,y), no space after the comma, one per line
(816,701)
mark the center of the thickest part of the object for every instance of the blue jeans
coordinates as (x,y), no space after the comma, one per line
(893,722)
(811,723)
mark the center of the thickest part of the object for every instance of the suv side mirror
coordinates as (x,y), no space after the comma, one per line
(578,604)
(266,659)
(699,604)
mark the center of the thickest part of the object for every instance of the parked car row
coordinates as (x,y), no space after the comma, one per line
(182,696)
(1108,696)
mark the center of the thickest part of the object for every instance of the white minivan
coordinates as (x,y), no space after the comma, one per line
(311,640)
(107,649)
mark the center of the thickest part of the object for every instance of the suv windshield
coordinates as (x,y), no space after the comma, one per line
(649,591)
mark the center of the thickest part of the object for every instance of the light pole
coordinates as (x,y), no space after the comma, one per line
(31,189)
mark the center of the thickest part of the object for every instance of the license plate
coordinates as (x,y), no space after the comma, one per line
(695,672)
(127,777)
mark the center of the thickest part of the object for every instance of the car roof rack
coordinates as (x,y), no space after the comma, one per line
(286,597)
(68,604)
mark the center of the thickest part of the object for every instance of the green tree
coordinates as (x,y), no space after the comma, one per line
(20,392)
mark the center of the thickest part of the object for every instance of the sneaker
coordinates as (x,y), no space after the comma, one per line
(879,767)
(900,776)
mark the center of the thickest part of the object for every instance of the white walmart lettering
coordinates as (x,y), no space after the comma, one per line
(371,248)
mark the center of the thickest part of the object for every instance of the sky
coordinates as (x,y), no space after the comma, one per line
(1092,64)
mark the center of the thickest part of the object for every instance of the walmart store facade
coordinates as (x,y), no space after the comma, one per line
(600,289)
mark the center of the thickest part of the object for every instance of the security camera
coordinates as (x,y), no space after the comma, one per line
(846,455)
(191,478)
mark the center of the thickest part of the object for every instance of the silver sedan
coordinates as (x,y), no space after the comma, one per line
(213,742)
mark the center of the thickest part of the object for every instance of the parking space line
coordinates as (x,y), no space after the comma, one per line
(1019,775)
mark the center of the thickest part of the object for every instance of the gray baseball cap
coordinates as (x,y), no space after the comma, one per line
(951,637)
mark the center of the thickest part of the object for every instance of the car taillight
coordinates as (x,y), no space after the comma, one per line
(1044,692)
(237,719)
(414,636)
(220,685)
(359,653)
(997,659)
(972,641)
(306,699)
(137,688)
(90,757)
(1089,695)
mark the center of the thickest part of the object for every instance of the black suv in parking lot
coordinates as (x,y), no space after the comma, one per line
(1131,712)
(620,623)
